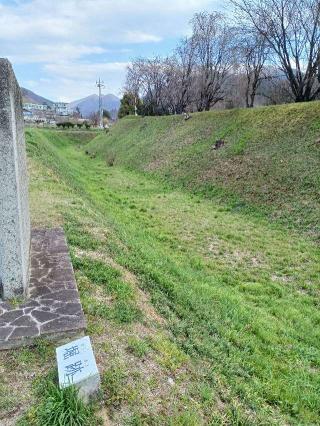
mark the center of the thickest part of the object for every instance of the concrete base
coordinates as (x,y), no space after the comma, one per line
(53,308)
(89,388)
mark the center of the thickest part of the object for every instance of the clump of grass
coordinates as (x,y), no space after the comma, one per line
(16,301)
(169,354)
(126,312)
(123,309)
(138,347)
(79,237)
(98,272)
(64,407)
(110,160)
(114,383)
(188,418)
(95,326)
(239,146)
(141,419)
(7,400)
(59,407)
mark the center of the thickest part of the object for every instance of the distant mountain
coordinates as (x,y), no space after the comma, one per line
(90,104)
(87,105)
(29,96)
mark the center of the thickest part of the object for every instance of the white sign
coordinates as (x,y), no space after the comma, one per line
(76,363)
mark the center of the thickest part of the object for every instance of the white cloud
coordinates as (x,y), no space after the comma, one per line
(141,37)
(85,69)
(38,53)
(89,21)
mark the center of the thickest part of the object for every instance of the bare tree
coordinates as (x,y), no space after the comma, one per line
(214,51)
(222,62)
(94,118)
(254,53)
(292,31)
(148,77)
(274,87)
(172,88)
(185,63)
(162,83)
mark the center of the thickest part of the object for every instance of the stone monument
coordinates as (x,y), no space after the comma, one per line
(34,266)
(14,207)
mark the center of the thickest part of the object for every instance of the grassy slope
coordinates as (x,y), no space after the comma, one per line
(238,299)
(270,161)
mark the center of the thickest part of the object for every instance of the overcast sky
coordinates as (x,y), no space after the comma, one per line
(60,47)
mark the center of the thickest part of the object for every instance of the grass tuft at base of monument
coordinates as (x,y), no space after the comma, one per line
(199,313)
(57,407)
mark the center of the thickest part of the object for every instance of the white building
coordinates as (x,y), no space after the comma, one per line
(35,107)
(61,108)
(27,114)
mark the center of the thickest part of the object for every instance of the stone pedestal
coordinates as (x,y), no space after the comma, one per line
(14,208)
(53,308)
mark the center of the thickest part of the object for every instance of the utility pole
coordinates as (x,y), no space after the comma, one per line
(100,85)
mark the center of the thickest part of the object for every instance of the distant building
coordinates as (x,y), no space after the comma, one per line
(61,108)
(27,114)
(39,116)
(36,113)
(35,107)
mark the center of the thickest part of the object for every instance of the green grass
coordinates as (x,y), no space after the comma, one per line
(114,383)
(168,354)
(138,347)
(268,165)
(123,309)
(59,407)
(239,295)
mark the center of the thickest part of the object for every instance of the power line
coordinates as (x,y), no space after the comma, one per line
(100,85)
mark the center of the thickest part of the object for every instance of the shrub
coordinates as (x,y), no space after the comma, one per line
(111,160)
(66,124)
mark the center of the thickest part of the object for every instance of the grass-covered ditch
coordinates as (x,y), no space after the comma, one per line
(199,312)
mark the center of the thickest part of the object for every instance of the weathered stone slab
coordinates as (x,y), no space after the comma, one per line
(77,366)
(14,206)
(53,308)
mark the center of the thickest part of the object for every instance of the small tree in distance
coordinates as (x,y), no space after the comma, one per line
(106,114)
(94,118)
(127,106)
